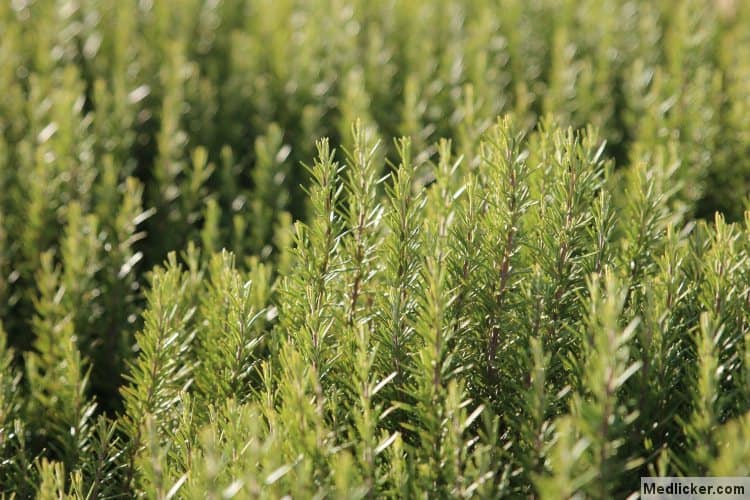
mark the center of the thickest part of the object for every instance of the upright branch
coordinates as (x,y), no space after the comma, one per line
(504,159)
(361,213)
(401,248)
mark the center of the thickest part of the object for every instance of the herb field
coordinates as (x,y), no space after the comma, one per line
(372,249)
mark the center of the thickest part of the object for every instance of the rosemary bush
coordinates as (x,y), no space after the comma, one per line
(352,249)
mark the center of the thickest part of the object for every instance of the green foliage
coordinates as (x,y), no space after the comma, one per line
(444,304)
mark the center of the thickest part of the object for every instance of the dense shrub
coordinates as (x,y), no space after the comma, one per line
(221,276)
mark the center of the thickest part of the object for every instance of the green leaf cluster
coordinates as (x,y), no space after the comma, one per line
(285,248)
